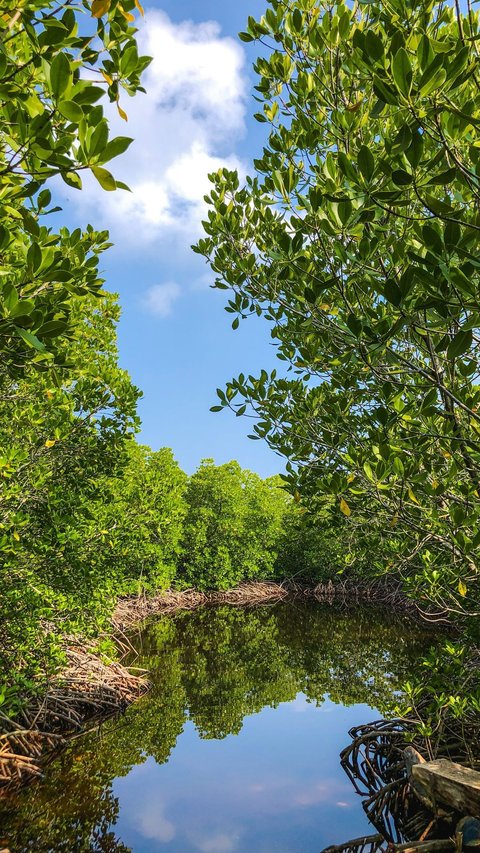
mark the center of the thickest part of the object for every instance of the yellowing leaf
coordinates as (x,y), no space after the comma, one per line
(462,588)
(122,113)
(49,394)
(140,8)
(107,78)
(127,15)
(16,536)
(344,507)
(324,306)
(49,442)
(350,478)
(412,497)
(100,8)
(352,108)
(104,178)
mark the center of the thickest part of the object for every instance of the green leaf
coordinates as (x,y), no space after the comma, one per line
(385,92)
(52,329)
(444,177)
(23,308)
(401,178)
(116,146)
(59,75)
(354,324)
(98,139)
(104,178)
(72,179)
(344,210)
(346,166)
(29,339)
(392,292)
(425,53)
(297,20)
(415,150)
(402,140)
(34,256)
(460,343)
(10,296)
(402,71)
(70,110)
(366,162)
(431,80)
(373,45)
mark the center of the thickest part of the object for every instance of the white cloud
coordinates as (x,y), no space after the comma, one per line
(152,823)
(159,298)
(194,69)
(184,127)
(221,843)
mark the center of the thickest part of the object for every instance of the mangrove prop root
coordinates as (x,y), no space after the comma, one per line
(86,690)
(131,611)
(375,762)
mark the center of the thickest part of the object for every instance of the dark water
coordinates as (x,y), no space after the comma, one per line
(236,747)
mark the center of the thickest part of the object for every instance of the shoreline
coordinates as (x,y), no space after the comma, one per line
(134,610)
(88,691)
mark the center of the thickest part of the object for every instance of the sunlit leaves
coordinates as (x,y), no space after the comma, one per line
(54,125)
(375,317)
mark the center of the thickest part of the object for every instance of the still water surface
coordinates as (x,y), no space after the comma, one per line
(236,746)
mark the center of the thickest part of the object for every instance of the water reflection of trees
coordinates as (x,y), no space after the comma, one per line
(214,666)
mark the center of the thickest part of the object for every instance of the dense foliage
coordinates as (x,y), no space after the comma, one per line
(57,62)
(357,238)
(233,526)
(66,408)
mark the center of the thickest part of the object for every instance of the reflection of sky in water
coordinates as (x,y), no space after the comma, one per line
(277,786)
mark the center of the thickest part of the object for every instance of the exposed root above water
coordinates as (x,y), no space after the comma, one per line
(86,691)
(130,611)
(406,821)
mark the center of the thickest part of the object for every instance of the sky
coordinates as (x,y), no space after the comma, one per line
(175,338)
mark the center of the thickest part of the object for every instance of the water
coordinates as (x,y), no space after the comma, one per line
(236,746)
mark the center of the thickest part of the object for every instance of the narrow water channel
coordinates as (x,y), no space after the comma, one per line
(236,746)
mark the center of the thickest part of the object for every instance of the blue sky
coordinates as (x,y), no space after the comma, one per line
(175,337)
